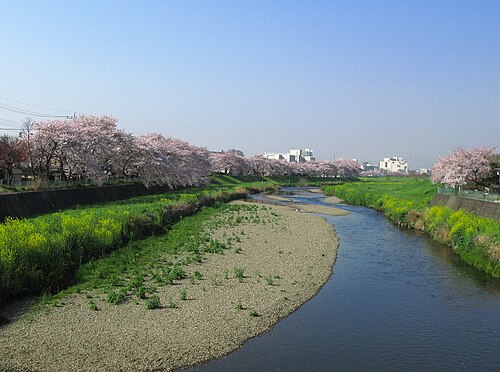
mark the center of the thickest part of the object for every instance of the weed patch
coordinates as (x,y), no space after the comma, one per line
(152,303)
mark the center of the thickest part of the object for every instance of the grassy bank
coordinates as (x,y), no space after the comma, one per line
(218,278)
(292,180)
(139,268)
(393,196)
(406,202)
(42,254)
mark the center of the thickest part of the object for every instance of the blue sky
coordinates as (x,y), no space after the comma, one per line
(357,79)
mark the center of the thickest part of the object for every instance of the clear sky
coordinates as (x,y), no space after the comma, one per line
(357,79)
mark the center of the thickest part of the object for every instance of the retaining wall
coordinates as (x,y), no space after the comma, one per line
(479,207)
(27,204)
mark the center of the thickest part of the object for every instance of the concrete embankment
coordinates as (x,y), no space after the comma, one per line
(479,207)
(27,204)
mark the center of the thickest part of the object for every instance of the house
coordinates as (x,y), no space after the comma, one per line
(294,156)
(394,165)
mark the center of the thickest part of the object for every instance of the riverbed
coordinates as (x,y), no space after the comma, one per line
(397,301)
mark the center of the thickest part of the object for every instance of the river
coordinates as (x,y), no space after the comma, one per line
(397,300)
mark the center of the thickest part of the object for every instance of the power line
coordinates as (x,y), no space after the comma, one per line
(30,113)
(7,124)
(9,121)
(40,107)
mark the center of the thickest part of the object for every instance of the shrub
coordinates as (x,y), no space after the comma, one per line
(117,297)
(152,303)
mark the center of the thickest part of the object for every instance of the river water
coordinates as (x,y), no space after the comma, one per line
(396,301)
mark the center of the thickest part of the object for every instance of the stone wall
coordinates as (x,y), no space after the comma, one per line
(479,207)
(27,204)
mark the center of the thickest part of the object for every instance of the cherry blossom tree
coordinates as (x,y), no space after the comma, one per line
(270,167)
(230,163)
(171,162)
(12,153)
(44,144)
(325,168)
(88,147)
(347,167)
(464,166)
(92,147)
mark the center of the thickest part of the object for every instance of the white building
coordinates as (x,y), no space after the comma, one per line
(367,166)
(274,155)
(394,165)
(294,156)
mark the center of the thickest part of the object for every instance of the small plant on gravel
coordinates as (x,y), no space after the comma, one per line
(239,273)
(197,258)
(215,246)
(183,295)
(93,306)
(172,273)
(254,314)
(237,250)
(197,275)
(270,280)
(172,304)
(239,306)
(117,297)
(216,280)
(141,292)
(152,303)
(136,282)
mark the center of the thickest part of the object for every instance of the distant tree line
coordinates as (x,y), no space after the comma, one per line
(93,148)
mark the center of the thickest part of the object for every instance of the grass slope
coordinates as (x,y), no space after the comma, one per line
(405,201)
(41,254)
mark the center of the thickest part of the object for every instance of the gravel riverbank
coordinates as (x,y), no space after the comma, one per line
(284,264)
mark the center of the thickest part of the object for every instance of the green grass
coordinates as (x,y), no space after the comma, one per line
(239,306)
(152,303)
(292,180)
(406,202)
(394,196)
(270,280)
(48,253)
(93,306)
(475,239)
(239,273)
(42,254)
(136,271)
(254,314)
